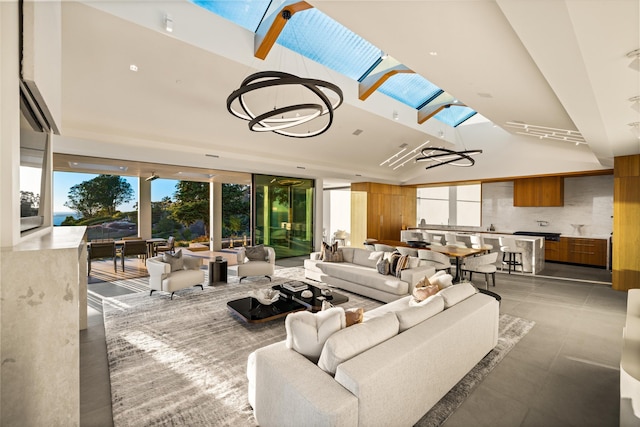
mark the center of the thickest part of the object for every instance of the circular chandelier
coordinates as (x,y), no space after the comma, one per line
(444,156)
(283,120)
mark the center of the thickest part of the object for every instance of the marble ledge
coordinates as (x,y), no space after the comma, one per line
(58,238)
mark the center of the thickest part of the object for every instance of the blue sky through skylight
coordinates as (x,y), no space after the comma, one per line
(318,37)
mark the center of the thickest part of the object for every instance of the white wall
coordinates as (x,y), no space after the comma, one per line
(587,200)
(337,212)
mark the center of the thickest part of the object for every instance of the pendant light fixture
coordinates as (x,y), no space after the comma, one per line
(443,156)
(286,119)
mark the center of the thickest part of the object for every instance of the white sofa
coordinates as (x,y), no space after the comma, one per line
(358,274)
(393,383)
(630,363)
(161,278)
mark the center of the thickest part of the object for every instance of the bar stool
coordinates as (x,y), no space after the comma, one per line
(510,254)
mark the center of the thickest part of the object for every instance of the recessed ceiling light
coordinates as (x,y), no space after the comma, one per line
(133,67)
(433,53)
(97,167)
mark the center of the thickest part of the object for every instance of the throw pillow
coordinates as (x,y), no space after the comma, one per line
(442,279)
(422,293)
(327,247)
(255,253)
(174,260)
(393,263)
(333,256)
(307,332)
(348,343)
(422,283)
(403,263)
(454,294)
(354,316)
(383,267)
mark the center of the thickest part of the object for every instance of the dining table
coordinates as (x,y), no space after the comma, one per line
(459,253)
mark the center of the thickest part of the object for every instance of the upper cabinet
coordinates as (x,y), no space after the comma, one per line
(539,191)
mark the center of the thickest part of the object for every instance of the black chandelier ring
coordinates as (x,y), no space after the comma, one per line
(268,121)
(444,156)
(266,117)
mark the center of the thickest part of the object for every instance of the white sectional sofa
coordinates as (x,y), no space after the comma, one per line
(630,363)
(358,274)
(393,381)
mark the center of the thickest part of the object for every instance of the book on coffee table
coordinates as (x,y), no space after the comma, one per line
(295,286)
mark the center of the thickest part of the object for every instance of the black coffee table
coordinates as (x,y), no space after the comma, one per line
(313,303)
(251,310)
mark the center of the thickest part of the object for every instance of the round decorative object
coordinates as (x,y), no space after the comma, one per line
(266,296)
(279,119)
(306,294)
(326,292)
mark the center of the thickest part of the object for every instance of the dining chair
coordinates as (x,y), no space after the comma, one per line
(484,264)
(168,247)
(131,248)
(435,259)
(101,250)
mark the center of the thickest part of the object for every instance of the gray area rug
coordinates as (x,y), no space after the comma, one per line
(183,361)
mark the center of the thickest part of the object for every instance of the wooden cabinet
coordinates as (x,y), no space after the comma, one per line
(539,191)
(552,251)
(580,250)
(380,211)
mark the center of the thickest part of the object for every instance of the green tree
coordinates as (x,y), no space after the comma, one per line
(235,208)
(102,194)
(192,203)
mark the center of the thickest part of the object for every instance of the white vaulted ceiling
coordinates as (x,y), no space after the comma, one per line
(559,64)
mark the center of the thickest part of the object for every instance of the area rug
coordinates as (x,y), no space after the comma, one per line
(183,361)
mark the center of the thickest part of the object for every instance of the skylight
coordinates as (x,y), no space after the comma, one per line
(246,13)
(410,89)
(318,37)
(334,46)
(454,115)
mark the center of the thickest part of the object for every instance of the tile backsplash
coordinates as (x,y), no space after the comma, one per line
(588,201)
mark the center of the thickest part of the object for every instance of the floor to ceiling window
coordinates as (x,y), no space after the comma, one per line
(106,204)
(283,214)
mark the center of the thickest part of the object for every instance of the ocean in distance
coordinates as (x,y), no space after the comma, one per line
(58,217)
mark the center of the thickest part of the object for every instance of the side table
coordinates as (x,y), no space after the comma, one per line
(217,272)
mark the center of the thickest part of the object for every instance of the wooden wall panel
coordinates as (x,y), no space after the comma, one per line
(384,210)
(626,166)
(538,191)
(626,223)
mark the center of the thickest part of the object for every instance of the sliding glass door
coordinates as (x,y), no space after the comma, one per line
(283,214)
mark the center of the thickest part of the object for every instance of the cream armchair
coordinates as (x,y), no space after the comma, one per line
(253,263)
(161,278)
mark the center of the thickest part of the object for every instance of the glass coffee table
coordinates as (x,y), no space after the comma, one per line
(314,302)
(251,310)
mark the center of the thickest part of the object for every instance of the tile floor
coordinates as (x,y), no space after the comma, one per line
(565,372)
